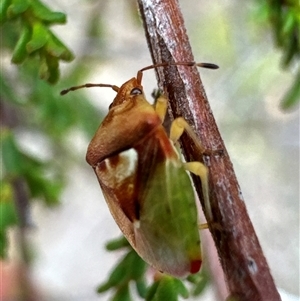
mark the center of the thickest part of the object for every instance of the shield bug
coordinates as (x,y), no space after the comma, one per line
(144,182)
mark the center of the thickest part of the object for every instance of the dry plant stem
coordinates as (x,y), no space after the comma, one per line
(22,205)
(245,267)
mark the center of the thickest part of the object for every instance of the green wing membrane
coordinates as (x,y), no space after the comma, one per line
(168,235)
(152,201)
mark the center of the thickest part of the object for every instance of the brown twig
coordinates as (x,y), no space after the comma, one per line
(245,267)
(28,292)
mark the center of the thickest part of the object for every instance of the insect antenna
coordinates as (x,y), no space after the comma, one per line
(63,92)
(140,75)
(203,65)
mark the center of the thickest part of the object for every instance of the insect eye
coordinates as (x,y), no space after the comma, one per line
(136,91)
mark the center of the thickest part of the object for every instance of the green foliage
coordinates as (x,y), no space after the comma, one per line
(292,97)
(17,164)
(48,116)
(30,105)
(8,215)
(284,17)
(132,269)
(33,106)
(32,21)
(166,288)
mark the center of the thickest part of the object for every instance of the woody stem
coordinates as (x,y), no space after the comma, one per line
(246,270)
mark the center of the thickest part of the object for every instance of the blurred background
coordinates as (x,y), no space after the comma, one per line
(69,222)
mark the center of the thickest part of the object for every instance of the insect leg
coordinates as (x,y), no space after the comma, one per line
(178,126)
(201,170)
(161,105)
(203,226)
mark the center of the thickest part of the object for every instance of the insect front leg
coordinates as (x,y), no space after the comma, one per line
(161,104)
(179,125)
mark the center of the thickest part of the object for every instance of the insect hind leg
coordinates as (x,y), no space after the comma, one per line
(201,170)
(178,126)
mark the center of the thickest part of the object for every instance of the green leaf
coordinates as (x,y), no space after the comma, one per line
(3,243)
(293,96)
(39,185)
(8,214)
(122,294)
(49,68)
(180,288)
(42,12)
(3,10)
(11,156)
(39,37)
(151,291)
(141,288)
(138,266)
(289,23)
(131,267)
(56,48)
(290,50)
(166,290)
(43,69)
(118,276)
(20,52)
(17,7)
(17,163)
(117,244)
(53,69)
(200,281)
(199,287)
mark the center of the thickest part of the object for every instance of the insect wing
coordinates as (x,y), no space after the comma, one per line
(117,187)
(151,199)
(168,236)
